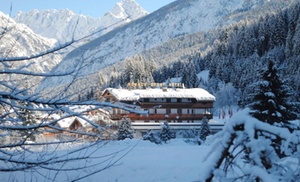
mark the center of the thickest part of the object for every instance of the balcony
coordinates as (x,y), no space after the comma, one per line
(136,117)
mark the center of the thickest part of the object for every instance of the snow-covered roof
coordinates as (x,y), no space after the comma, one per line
(135,94)
(66,123)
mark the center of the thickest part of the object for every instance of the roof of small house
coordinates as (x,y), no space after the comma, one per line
(135,94)
(66,123)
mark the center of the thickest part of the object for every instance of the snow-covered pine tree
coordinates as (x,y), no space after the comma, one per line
(189,75)
(204,130)
(166,132)
(125,130)
(27,118)
(270,102)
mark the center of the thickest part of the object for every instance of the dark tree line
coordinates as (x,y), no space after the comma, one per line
(242,49)
(138,70)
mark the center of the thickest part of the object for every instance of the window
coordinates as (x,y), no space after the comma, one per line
(208,111)
(161,111)
(199,111)
(173,100)
(187,111)
(151,111)
(174,111)
(185,100)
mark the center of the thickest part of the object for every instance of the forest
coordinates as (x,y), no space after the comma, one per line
(237,56)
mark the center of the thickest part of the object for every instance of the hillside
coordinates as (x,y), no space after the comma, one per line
(17,40)
(170,22)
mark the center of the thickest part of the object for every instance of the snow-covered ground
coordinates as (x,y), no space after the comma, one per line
(135,160)
(143,161)
(174,161)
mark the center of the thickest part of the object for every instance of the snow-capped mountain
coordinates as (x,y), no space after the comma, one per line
(177,18)
(17,40)
(64,25)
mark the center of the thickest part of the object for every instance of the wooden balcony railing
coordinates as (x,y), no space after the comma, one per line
(148,117)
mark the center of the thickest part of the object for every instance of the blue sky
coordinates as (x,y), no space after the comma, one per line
(94,8)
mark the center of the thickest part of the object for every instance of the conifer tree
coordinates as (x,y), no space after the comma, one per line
(189,75)
(204,130)
(27,118)
(125,130)
(166,132)
(270,102)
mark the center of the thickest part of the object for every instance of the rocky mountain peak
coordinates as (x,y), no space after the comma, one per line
(64,25)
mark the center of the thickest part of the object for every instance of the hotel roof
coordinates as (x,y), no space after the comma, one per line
(135,94)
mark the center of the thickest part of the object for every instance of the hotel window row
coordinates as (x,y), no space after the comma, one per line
(181,111)
(170,100)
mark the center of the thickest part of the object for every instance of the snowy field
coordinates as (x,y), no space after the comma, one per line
(135,160)
(143,161)
(174,161)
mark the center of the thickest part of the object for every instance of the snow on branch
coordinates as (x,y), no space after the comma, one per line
(246,143)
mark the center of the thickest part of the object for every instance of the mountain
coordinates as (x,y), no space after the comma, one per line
(178,18)
(63,25)
(17,40)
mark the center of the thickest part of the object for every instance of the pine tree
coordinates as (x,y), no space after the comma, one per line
(27,118)
(280,31)
(166,132)
(293,16)
(204,130)
(296,39)
(189,75)
(125,130)
(270,102)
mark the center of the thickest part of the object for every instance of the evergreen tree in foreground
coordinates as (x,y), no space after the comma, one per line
(125,130)
(270,102)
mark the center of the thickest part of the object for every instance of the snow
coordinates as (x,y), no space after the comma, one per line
(203,75)
(65,123)
(132,95)
(139,160)
(177,18)
(174,161)
(61,24)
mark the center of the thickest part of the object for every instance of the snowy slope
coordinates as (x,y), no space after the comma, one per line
(62,25)
(162,25)
(17,40)
(177,18)
(175,161)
